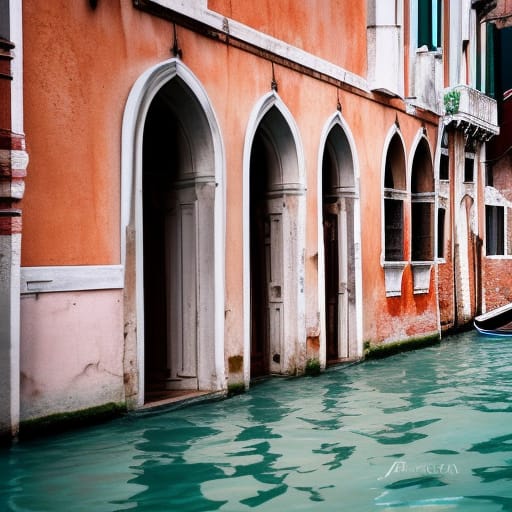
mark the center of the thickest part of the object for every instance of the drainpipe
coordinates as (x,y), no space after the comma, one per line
(13,164)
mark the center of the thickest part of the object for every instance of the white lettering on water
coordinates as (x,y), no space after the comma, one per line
(401,466)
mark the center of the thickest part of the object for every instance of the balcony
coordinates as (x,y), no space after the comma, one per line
(385,69)
(472,111)
(427,77)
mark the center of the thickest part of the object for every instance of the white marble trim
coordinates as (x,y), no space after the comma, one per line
(71,278)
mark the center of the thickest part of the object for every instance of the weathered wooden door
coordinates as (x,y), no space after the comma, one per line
(336,277)
(331,281)
(343,291)
(275,289)
(182,294)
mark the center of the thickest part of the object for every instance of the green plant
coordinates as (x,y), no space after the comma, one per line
(312,367)
(451,102)
(236,388)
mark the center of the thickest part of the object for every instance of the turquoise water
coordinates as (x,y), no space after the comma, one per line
(424,430)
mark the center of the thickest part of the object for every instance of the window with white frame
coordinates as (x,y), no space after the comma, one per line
(469,161)
(495,230)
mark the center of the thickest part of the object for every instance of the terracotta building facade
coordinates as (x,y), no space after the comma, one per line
(221,191)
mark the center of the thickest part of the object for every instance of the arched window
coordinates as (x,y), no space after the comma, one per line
(394,195)
(422,204)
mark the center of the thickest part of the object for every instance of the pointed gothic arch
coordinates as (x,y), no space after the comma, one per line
(273,241)
(394,196)
(169,98)
(423,213)
(339,235)
(422,201)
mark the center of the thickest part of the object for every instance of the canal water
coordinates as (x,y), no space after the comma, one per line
(423,430)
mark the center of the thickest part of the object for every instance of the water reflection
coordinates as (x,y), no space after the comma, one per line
(426,429)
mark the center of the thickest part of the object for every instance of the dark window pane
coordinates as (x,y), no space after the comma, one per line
(444,167)
(422,232)
(469,165)
(394,232)
(441,214)
(494,230)
(489,175)
(388,176)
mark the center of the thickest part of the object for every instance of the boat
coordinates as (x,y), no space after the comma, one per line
(497,322)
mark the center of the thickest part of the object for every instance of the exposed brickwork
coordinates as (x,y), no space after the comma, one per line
(496,282)
(10,223)
(13,170)
(446,295)
(6,56)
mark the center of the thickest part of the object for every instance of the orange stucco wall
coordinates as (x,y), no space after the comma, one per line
(80,65)
(334,30)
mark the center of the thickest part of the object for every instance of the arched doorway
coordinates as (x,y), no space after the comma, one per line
(275,226)
(339,201)
(172,234)
(176,207)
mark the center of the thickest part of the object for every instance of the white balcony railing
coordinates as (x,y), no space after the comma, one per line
(472,109)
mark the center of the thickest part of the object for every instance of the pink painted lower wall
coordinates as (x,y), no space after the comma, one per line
(71,351)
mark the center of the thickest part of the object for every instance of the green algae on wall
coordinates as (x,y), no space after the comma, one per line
(382,350)
(59,422)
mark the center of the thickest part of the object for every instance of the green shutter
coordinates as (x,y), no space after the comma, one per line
(438,39)
(425,23)
(430,23)
(489,61)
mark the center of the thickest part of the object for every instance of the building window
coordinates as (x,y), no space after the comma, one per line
(422,204)
(394,231)
(469,160)
(422,232)
(489,175)
(469,165)
(429,23)
(444,165)
(444,160)
(495,230)
(394,195)
(441,216)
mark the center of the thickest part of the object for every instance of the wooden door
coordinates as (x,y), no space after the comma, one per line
(182,295)
(331,281)
(260,252)
(336,280)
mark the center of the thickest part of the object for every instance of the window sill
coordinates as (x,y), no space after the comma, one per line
(393,271)
(421,275)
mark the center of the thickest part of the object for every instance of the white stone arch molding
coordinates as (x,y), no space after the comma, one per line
(393,270)
(418,138)
(337,120)
(261,108)
(421,270)
(139,100)
(394,130)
